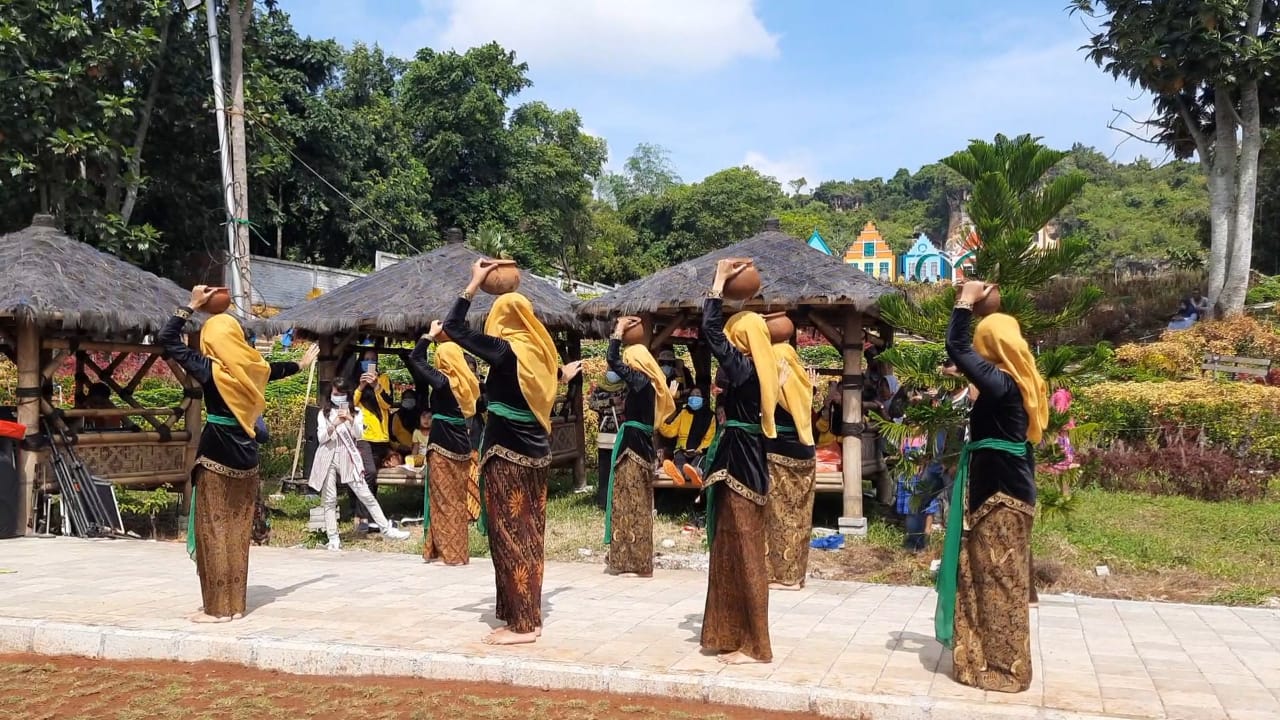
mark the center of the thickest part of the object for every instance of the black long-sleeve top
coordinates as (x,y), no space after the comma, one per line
(450,437)
(788,442)
(528,441)
(998,413)
(740,457)
(638,405)
(222,447)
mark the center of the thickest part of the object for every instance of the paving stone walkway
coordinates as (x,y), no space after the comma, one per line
(843,650)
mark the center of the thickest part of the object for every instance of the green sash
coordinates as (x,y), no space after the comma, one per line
(426,473)
(613,469)
(752,428)
(509,413)
(944,617)
(221,420)
(191,527)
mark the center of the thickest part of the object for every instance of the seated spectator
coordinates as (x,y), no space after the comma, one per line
(692,428)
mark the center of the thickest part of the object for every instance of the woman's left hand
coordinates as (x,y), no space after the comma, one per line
(973,291)
(309,357)
(571,371)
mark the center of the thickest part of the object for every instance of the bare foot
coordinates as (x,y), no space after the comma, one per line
(738,658)
(628,574)
(203,618)
(505,636)
(781,586)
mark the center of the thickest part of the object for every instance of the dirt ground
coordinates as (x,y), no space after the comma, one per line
(66,688)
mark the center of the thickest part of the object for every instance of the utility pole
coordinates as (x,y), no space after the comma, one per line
(241,14)
(232,278)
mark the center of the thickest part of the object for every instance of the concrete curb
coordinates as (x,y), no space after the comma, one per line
(44,637)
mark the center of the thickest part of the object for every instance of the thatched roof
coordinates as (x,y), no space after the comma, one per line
(66,284)
(793,274)
(404,298)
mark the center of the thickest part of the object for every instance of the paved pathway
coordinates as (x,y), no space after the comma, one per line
(841,649)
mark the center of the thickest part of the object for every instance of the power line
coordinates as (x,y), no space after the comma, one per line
(281,144)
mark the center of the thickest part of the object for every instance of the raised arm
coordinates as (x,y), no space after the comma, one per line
(737,368)
(421,367)
(489,349)
(636,381)
(989,379)
(199,367)
(324,428)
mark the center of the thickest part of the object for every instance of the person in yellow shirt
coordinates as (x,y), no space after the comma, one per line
(692,428)
(373,399)
(404,422)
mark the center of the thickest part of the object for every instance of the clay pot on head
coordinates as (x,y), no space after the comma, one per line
(746,284)
(218,302)
(988,305)
(502,279)
(636,333)
(781,328)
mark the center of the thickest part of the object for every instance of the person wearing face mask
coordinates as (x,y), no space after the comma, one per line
(405,420)
(338,462)
(372,399)
(629,513)
(690,431)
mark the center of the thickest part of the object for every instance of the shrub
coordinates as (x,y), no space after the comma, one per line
(1166,359)
(1241,418)
(1184,469)
(1240,335)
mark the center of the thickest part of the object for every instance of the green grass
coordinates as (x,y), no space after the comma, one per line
(1229,541)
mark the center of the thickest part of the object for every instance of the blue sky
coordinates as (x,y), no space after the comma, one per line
(821,89)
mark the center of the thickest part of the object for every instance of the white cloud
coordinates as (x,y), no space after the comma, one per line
(784,170)
(609,35)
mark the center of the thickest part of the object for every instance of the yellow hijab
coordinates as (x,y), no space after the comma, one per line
(999,341)
(239,371)
(453,364)
(797,391)
(538,361)
(639,357)
(749,333)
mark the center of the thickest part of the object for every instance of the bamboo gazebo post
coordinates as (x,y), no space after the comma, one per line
(29,396)
(852,520)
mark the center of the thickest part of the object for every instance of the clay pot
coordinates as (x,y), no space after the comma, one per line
(502,279)
(218,302)
(636,333)
(988,305)
(745,284)
(781,328)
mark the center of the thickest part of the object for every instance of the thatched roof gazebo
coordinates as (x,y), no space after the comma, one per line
(398,303)
(815,289)
(62,298)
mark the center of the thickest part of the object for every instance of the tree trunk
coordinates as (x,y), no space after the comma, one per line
(240,12)
(1236,285)
(1222,173)
(133,178)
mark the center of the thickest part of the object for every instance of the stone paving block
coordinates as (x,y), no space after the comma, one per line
(764,696)
(836,704)
(120,644)
(59,638)
(450,666)
(16,634)
(200,647)
(560,676)
(625,681)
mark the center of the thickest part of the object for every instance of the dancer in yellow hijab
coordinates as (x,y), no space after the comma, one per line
(735,623)
(629,505)
(233,376)
(984,583)
(524,371)
(454,392)
(792,460)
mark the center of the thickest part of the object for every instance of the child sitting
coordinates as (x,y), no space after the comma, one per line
(692,428)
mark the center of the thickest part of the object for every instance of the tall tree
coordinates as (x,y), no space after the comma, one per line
(647,172)
(1210,68)
(1013,197)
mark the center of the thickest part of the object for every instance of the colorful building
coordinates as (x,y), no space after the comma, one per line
(924,262)
(817,242)
(873,255)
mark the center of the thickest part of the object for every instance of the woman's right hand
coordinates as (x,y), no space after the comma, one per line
(480,270)
(437,327)
(201,294)
(727,270)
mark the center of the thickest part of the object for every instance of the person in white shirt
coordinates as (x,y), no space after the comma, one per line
(338,460)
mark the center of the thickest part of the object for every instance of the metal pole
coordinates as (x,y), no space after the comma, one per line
(231,269)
